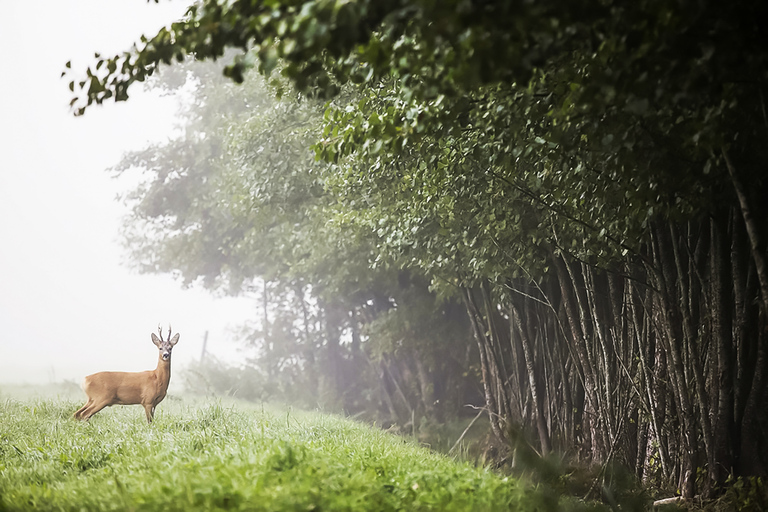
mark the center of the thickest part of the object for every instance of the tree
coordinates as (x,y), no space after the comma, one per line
(576,172)
(239,203)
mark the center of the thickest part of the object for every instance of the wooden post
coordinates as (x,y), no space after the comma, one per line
(205,343)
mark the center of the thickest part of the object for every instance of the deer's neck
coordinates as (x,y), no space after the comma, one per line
(163,370)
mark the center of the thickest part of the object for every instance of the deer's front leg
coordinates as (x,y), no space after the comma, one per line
(150,411)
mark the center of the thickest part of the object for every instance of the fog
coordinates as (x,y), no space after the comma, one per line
(69,304)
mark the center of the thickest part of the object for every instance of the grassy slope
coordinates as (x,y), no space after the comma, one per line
(214,457)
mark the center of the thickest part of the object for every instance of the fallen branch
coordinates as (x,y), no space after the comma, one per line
(667,501)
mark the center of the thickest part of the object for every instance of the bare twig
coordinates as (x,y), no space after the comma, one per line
(480,412)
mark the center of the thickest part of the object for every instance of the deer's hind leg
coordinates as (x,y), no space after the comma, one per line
(93,408)
(79,412)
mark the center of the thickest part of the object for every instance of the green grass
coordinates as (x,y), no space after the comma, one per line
(209,456)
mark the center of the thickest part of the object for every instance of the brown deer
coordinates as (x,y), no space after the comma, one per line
(128,388)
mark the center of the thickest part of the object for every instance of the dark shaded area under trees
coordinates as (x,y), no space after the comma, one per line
(586,179)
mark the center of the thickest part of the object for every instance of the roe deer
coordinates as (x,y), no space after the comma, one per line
(127,388)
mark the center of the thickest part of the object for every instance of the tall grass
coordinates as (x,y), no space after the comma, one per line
(231,456)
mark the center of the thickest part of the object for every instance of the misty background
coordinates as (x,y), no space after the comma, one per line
(69,304)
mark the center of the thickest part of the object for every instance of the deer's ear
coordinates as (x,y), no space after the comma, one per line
(174,340)
(155,340)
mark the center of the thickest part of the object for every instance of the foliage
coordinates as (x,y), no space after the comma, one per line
(579,115)
(214,204)
(742,494)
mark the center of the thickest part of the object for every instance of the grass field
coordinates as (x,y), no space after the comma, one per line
(229,456)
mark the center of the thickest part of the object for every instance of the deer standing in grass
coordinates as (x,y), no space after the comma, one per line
(128,388)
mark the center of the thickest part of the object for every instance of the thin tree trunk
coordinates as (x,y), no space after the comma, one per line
(537,395)
(673,339)
(488,384)
(722,332)
(579,347)
(753,231)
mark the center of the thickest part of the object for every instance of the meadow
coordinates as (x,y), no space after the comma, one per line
(216,455)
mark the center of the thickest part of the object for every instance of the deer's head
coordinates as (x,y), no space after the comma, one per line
(165,346)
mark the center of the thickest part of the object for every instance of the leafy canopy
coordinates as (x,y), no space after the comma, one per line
(488,134)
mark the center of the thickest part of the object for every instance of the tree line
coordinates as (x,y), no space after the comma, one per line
(578,185)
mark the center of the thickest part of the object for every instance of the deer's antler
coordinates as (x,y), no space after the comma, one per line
(160,332)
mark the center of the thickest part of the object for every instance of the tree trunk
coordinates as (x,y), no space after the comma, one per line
(722,331)
(537,395)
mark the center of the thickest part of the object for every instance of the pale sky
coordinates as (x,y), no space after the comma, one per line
(69,306)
